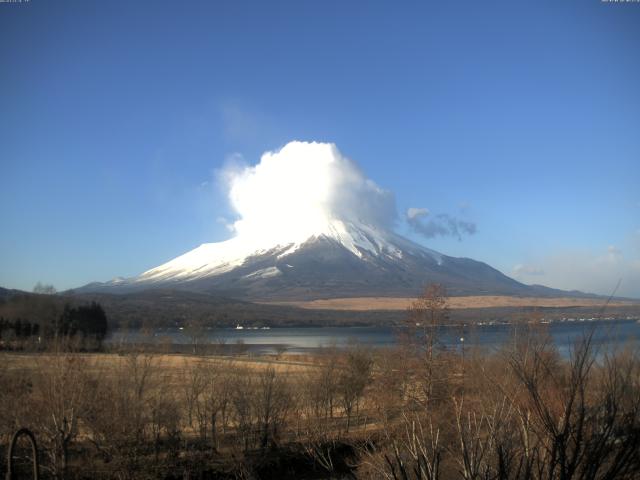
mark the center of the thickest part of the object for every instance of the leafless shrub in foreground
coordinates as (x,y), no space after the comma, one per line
(353,378)
(59,401)
(412,451)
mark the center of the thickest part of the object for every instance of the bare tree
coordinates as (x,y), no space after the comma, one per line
(164,419)
(193,388)
(273,400)
(321,385)
(425,315)
(242,391)
(59,402)
(207,397)
(391,383)
(480,435)
(196,331)
(412,451)
(44,289)
(124,402)
(580,420)
(353,377)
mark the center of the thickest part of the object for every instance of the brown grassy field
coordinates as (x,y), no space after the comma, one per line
(340,413)
(171,365)
(489,301)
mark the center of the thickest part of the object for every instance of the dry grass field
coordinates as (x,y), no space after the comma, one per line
(489,301)
(172,366)
(341,413)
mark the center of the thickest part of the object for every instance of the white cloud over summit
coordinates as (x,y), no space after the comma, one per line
(295,191)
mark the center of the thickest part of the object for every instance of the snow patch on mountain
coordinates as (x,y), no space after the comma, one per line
(264,273)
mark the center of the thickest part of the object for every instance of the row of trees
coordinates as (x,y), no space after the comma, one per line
(86,321)
(18,328)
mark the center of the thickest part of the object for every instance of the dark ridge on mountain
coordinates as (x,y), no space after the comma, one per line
(170,308)
(7,293)
(4,293)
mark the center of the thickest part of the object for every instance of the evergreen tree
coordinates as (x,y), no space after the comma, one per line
(87,320)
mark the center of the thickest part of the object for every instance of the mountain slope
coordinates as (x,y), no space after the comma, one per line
(340,259)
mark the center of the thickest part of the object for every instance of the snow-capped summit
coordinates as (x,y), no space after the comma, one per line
(212,259)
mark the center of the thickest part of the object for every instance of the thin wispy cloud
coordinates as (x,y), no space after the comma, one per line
(521,270)
(247,127)
(413,213)
(613,250)
(588,271)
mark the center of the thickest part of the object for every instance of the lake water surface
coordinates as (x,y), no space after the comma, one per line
(303,339)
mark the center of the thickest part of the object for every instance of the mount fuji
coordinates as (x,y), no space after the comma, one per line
(312,225)
(342,259)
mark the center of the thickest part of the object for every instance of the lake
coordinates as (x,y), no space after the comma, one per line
(304,339)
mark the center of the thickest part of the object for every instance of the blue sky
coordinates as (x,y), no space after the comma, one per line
(520,117)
